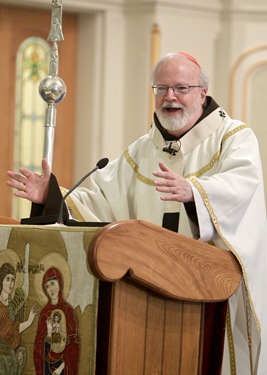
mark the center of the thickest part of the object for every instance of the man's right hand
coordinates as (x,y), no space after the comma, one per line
(30,185)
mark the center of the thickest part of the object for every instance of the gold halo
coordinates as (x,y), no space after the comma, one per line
(9,256)
(56,261)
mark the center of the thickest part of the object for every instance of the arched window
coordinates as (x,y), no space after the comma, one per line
(32,65)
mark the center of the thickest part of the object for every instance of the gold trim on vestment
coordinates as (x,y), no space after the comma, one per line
(212,215)
(135,168)
(150,182)
(73,210)
(72,207)
(207,167)
(217,154)
(215,222)
(234,131)
(216,225)
(248,315)
(231,346)
(191,177)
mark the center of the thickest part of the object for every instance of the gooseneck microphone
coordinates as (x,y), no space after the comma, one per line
(99,165)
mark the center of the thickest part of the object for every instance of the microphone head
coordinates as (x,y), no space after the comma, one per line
(102,163)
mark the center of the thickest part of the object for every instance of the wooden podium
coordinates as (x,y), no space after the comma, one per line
(154,285)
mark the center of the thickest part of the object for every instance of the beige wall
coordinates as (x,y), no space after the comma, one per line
(241,65)
(229,38)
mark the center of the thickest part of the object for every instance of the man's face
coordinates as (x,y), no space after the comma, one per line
(178,113)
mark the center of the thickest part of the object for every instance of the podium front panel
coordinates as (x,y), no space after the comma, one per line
(48,300)
(147,333)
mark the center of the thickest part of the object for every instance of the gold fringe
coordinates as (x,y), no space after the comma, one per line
(135,168)
(231,345)
(217,154)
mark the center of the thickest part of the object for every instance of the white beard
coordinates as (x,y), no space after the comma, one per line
(178,121)
(173,122)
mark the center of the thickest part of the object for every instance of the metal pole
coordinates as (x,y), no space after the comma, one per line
(52,88)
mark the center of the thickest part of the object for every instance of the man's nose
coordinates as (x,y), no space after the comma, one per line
(170,94)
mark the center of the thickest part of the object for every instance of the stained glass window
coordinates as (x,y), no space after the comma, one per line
(32,65)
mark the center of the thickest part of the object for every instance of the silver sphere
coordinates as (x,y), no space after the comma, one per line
(52,89)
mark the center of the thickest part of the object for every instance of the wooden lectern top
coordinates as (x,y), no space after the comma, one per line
(171,264)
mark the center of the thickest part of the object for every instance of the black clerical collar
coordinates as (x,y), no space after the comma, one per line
(209,106)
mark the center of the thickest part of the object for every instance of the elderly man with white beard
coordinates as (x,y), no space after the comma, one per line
(197,172)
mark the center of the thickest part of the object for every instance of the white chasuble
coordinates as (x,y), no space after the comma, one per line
(220,158)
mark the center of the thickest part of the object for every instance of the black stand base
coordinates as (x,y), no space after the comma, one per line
(52,219)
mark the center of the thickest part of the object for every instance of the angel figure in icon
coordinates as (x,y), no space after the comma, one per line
(12,312)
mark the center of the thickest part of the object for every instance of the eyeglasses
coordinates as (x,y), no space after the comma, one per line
(177,89)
